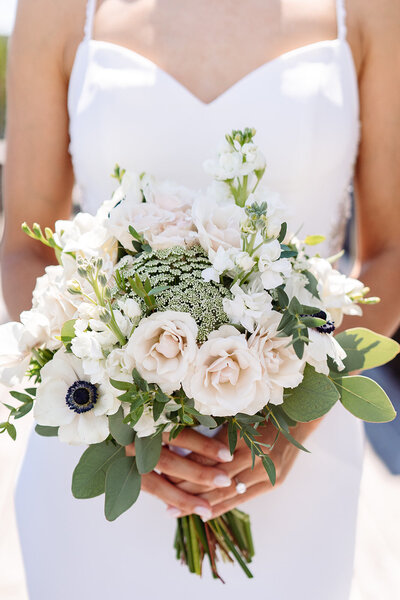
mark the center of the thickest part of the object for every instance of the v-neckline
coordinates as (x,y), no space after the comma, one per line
(263,67)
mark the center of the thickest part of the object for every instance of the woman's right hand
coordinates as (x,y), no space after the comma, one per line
(176,467)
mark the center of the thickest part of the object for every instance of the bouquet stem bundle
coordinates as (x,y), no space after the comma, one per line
(228,536)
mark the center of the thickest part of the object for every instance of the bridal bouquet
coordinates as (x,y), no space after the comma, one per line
(172,308)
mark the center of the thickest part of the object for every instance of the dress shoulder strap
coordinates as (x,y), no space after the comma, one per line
(90,12)
(341,19)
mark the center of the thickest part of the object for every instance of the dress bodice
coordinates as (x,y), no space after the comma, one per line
(304,105)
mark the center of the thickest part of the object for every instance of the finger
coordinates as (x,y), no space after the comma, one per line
(209,447)
(177,466)
(252,492)
(179,502)
(249,477)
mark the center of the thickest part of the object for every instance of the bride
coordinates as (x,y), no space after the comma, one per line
(154,86)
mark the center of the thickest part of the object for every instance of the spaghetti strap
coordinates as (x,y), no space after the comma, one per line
(90,11)
(341,19)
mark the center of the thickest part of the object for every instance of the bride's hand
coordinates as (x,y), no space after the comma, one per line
(173,466)
(256,480)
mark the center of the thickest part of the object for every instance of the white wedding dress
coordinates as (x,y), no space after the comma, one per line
(125,109)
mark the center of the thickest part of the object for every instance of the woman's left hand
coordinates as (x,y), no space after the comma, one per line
(256,480)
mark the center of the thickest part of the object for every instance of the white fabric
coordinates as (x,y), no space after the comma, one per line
(125,109)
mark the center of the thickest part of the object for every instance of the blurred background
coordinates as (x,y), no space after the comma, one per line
(376,570)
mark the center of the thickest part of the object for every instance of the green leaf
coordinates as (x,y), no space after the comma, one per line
(158,408)
(140,382)
(312,285)
(23,410)
(312,399)
(122,487)
(46,431)
(313,240)
(269,466)
(309,310)
(12,432)
(120,385)
(282,232)
(365,399)
(68,331)
(232,436)
(249,419)
(366,349)
(148,450)
(313,321)
(294,307)
(293,441)
(88,479)
(206,420)
(161,397)
(31,391)
(21,397)
(158,290)
(282,297)
(120,431)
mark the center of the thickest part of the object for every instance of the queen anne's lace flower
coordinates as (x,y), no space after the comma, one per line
(66,399)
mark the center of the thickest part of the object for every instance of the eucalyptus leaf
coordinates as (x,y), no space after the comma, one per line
(365,399)
(21,397)
(68,331)
(122,487)
(293,441)
(158,408)
(148,450)
(88,479)
(366,349)
(312,399)
(120,431)
(121,385)
(313,240)
(232,436)
(206,420)
(46,431)
(269,466)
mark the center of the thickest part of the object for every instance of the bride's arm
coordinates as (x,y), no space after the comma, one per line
(38,175)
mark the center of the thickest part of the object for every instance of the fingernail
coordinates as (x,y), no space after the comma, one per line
(203,511)
(222,481)
(225,455)
(174,512)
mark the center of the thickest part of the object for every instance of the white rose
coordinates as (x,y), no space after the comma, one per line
(163,346)
(271,266)
(66,399)
(226,377)
(335,290)
(281,368)
(249,306)
(217,224)
(167,195)
(320,347)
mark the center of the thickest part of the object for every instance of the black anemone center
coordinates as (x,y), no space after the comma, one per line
(81,396)
(327,327)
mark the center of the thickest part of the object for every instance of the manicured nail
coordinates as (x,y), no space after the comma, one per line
(203,511)
(174,512)
(225,455)
(222,481)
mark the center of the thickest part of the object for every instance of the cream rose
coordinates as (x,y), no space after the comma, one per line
(226,377)
(281,368)
(163,346)
(217,224)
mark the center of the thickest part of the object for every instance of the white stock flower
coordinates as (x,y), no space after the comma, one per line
(277,212)
(222,261)
(249,306)
(226,377)
(147,425)
(119,365)
(66,399)
(281,368)
(130,308)
(14,353)
(320,347)
(87,235)
(335,290)
(129,189)
(271,266)
(217,224)
(163,346)
(235,162)
(52,306)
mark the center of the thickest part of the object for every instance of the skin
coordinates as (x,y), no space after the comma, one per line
(199,48)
